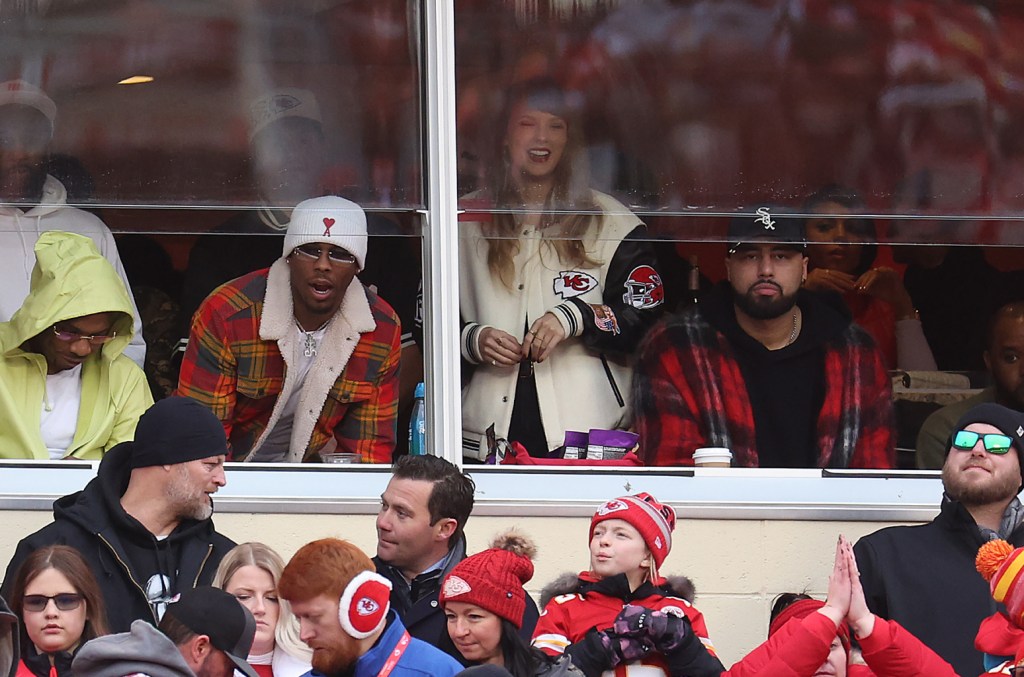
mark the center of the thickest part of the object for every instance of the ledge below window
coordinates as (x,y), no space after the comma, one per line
(698,493)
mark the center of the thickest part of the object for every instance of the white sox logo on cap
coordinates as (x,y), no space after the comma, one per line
(765,217)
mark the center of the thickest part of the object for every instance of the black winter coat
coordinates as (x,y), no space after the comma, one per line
(923,577)
(123,556)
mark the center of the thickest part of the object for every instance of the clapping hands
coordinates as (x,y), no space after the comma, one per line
(846,602)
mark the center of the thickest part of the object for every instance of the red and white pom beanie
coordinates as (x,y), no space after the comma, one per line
(655,521)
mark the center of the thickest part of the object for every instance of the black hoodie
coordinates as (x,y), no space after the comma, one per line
(786,387)
(136,572)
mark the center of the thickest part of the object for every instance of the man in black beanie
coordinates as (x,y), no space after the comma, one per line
(143,524)
(924,576)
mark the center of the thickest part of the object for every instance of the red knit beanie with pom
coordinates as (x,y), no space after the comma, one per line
(493,579)
(1003,567)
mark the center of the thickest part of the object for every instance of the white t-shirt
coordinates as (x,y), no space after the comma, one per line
(275,447)
(59,417)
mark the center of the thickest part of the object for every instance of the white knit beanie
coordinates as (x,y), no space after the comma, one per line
(329,220)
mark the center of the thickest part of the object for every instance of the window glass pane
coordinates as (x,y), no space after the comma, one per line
(195,131)
(191,129)
(886,134)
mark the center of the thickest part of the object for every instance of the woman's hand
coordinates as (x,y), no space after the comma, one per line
(545,333)
(826,279)
(860,617)
(887,285)
(499,347)
(837,606)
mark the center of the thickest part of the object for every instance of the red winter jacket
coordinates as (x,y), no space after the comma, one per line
(799,648)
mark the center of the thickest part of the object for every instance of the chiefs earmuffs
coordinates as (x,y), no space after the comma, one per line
(364,604)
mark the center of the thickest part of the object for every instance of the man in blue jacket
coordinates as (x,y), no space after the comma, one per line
(344,611)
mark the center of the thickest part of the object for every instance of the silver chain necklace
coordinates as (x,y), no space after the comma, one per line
(309,348)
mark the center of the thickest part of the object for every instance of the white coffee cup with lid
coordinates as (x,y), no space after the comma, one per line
(712,457)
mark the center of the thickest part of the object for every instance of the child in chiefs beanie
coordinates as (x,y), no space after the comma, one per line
(623,601)
(1001,635)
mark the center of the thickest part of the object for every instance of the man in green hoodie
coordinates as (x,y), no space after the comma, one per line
(66,388)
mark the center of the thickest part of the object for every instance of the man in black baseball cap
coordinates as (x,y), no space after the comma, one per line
(212,630)
(144,523)
(779,375)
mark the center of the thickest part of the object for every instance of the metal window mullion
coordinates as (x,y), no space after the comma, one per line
(440,238)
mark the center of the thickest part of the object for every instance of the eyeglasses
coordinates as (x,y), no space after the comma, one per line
(995,443)
(315,251)
(73,337)
(65,601)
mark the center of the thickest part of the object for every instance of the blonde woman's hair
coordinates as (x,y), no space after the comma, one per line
(261,556)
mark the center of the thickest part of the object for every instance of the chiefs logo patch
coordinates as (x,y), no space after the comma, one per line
(643,288)
(614,505)
(366,607)
(455,586)
(571,283)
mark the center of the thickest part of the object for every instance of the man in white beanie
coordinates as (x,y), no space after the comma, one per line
(32,201)
(301,359)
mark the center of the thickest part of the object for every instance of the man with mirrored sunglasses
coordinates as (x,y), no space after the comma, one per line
(301,359)
(924,576)
(67,389)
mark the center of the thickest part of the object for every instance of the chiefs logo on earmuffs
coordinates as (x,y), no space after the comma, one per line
(364,605)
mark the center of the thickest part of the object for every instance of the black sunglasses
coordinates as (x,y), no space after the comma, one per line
(65,601)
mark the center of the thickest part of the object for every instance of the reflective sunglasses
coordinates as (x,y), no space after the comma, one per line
(65,601)
(995,443)
(73,337)
(334,254)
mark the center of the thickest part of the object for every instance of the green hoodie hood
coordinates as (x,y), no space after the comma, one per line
(70,279)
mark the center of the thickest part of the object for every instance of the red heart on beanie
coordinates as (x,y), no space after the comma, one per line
(328,222)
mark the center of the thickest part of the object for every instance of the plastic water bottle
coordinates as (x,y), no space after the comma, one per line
(417,423)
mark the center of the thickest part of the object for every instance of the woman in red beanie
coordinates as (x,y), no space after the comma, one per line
(484,600)
(812,638)
(622,609)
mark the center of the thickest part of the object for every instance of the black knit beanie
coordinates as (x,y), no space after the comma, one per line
(177,430)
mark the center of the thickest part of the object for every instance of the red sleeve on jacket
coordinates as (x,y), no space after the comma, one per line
(796,650)
(876,447)
(551,634)
(891,649)
(667,415)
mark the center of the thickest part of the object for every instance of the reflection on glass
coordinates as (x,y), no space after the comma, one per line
(705,107)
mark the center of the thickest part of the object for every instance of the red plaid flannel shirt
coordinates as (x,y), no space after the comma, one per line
(238,376)
(689,393)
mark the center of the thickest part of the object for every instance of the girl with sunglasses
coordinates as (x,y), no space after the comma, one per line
(60,607)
